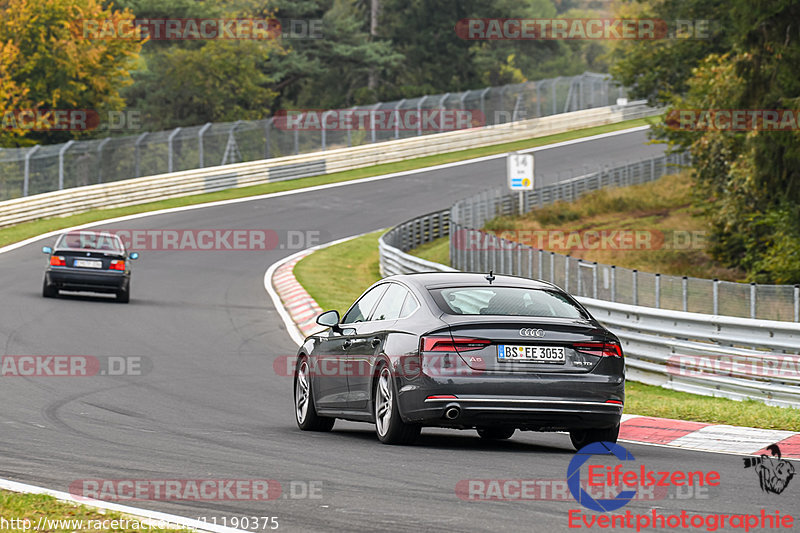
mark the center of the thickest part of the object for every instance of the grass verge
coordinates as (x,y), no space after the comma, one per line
(37,227)
(337,275)
(64,516)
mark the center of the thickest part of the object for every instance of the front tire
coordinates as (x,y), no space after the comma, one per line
(305,413)
(583,437)
(388,425)
(49,291)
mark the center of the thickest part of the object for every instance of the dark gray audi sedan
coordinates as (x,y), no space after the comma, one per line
(463,350)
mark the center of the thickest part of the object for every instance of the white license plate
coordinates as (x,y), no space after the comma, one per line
(531,354)
(85,263)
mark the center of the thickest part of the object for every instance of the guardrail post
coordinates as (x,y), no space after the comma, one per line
(594,281)
(635,281)
(452,240)
(267,148)
(552,267)
(100,159)
(540,264)
(752,300)
(200,148)
(538,99)
(580,278)
(613,283)
(658,291)
(566,274)
(797,303)
(397,118)
(441,111)
(715,296)
(61,153)
(685,292)
(502,256)
(296,141)
(169,148)
(419,114)
(374,133)
(530,263)
(27,177)
(483,104)
(323,131)
(138,153)
(519,259)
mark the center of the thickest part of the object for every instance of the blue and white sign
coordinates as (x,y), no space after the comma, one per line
(519,168)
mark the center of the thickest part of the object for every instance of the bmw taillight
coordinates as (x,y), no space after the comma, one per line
(452,344)
(57,261)
(117,264)
(600,349)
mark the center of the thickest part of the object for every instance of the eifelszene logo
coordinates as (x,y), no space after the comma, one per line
(774,473)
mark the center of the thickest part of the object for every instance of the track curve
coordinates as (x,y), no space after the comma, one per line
(213,407)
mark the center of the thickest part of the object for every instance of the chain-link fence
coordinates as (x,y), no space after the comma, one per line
(27,171)
(475,250)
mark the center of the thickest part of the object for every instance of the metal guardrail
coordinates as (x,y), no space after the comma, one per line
(477,250)
(706,354)
(40,169)
(176,184)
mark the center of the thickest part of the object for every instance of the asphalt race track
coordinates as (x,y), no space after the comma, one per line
(212,407)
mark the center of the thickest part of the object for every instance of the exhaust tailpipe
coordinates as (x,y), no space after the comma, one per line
(452,412)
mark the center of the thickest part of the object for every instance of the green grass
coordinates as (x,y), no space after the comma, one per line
(35,506)
(648,400)
(25,230)
(437,251)
(337,275)
(662,210)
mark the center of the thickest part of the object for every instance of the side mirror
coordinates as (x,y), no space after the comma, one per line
(133,255)
(329,319)
(47,250)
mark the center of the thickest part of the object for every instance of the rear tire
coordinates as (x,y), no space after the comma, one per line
(388,425)
(49,291)
(124,296)
(491,433)
(305,413)
(583,437)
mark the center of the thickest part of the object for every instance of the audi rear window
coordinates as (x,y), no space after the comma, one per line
(505,301)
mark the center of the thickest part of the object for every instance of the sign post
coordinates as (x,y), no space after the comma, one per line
(519,168)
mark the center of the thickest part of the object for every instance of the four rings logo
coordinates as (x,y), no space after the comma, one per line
(531,332)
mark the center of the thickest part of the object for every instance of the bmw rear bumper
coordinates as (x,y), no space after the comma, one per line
(72,279)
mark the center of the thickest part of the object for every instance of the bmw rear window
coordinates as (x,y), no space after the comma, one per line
(505,301)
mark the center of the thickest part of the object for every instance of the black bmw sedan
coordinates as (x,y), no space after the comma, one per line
(88,261)
(463,350)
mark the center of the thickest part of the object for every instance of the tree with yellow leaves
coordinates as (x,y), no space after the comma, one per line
(47,62)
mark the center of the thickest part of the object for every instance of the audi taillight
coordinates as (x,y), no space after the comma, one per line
(117,264)
(452,344)
(600,349)
(57,261)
